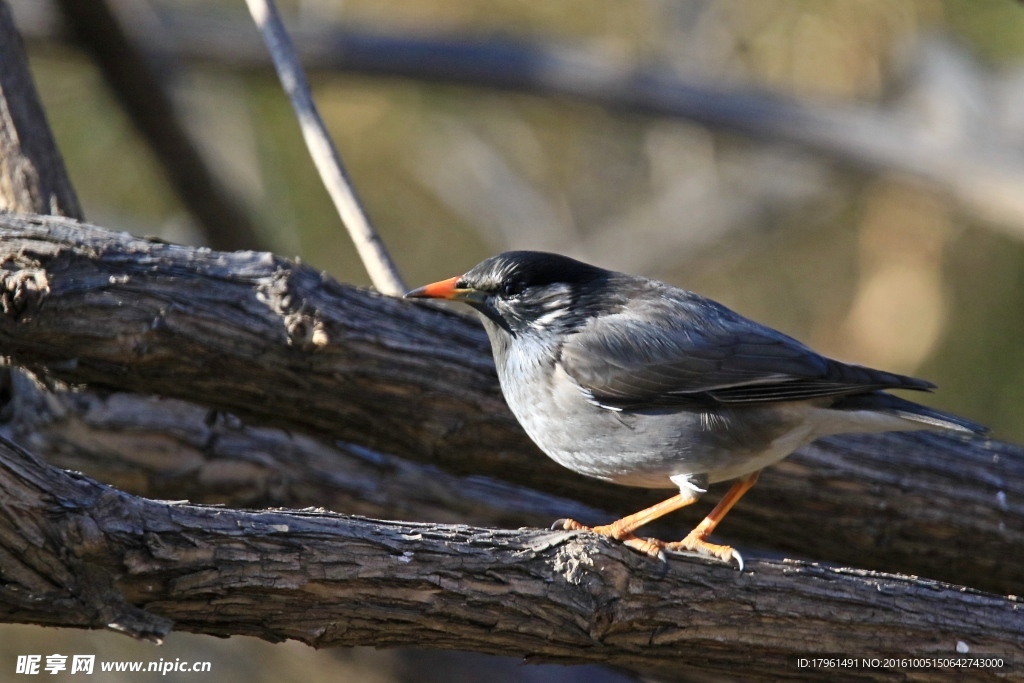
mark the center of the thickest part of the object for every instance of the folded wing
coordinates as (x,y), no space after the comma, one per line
(680,349)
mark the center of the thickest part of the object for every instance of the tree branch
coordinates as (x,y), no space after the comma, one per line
(286,346)
(78,553)
(172,448)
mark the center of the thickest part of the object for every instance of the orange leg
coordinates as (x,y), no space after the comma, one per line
(696,541)
(622,530)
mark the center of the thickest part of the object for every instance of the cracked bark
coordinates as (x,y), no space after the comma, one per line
(78,553)
(286,346)
(172,449)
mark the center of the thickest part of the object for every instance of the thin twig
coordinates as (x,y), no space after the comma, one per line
(371,248)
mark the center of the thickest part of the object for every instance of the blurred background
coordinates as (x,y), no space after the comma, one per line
(848,171)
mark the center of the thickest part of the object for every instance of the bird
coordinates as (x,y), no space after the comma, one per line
(636,382)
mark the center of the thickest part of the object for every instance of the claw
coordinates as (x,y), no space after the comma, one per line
(695,544)
(646,546)
(655,549)
(663,566)
(739,559)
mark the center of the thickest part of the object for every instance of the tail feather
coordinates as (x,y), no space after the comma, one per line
(882,402)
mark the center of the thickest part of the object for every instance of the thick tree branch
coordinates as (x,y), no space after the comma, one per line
(286,346)
(78,553)
(172,449)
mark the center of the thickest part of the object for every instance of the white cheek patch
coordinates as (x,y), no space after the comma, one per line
(555,306)
(548,318)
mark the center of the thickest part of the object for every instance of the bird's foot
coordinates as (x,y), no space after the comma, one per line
(696,544)
(651,547)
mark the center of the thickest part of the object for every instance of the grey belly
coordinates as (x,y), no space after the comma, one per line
(646,447)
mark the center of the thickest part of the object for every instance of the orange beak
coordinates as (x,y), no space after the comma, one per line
(447,289)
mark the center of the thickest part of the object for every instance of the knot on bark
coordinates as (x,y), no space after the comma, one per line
(22,290)
(575,562)
(302,322)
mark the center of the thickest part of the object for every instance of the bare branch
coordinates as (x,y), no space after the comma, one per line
(77,553)
(286,346)
(372,251)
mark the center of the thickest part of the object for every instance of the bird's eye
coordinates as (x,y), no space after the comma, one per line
(512,288)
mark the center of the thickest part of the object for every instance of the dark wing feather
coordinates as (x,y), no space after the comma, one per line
(671,347)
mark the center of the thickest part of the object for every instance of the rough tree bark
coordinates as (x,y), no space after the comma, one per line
(221,458)
(277,342)
(79,553)
(167,448)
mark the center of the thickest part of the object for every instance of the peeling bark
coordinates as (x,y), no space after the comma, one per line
(285,346)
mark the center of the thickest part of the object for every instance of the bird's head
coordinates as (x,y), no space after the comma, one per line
(523,290)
